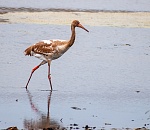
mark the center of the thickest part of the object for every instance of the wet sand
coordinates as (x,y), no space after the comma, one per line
(113,19)
(102,82)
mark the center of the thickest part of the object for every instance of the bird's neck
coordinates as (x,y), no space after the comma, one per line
(72,38)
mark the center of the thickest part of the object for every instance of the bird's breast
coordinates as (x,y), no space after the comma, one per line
(59,51)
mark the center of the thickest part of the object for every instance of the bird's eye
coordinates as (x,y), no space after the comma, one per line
(77,23)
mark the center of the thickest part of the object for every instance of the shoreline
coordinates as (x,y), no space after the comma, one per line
(111,19)
(28,9)
(58,16)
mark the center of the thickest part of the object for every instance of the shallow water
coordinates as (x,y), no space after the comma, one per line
(104,75)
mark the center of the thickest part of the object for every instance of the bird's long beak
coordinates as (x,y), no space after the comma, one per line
(80,26)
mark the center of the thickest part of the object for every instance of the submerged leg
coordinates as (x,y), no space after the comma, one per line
(49,75)
(35,68)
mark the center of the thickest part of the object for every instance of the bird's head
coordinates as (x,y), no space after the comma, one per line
(76,23)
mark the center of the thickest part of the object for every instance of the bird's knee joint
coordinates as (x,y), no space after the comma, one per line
(49,76)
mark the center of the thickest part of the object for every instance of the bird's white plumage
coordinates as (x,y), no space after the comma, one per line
(39,56)
(51,41)
(47,41)
(58,40)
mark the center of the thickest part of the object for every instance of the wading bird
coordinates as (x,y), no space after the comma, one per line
(48,50)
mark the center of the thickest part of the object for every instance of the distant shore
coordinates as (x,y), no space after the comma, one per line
(99,18)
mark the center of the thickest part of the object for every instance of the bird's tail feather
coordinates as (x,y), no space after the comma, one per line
(28,51)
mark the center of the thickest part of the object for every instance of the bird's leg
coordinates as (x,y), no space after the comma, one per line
(35,68)
(49,75)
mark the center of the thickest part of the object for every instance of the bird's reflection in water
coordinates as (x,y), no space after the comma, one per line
(44,121)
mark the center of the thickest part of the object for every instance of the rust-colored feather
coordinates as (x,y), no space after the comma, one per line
(28,51)
(39,48)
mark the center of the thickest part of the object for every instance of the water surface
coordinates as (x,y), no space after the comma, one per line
(105,75)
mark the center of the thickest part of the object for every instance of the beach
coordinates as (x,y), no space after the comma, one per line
(112,19)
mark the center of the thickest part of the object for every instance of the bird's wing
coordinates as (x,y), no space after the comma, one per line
(44,47)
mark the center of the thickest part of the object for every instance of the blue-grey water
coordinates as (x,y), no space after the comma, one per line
(100,74)
(102,81)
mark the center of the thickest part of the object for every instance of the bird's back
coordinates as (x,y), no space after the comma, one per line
(50,49)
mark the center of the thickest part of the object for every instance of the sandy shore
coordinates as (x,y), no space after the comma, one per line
(117,19)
